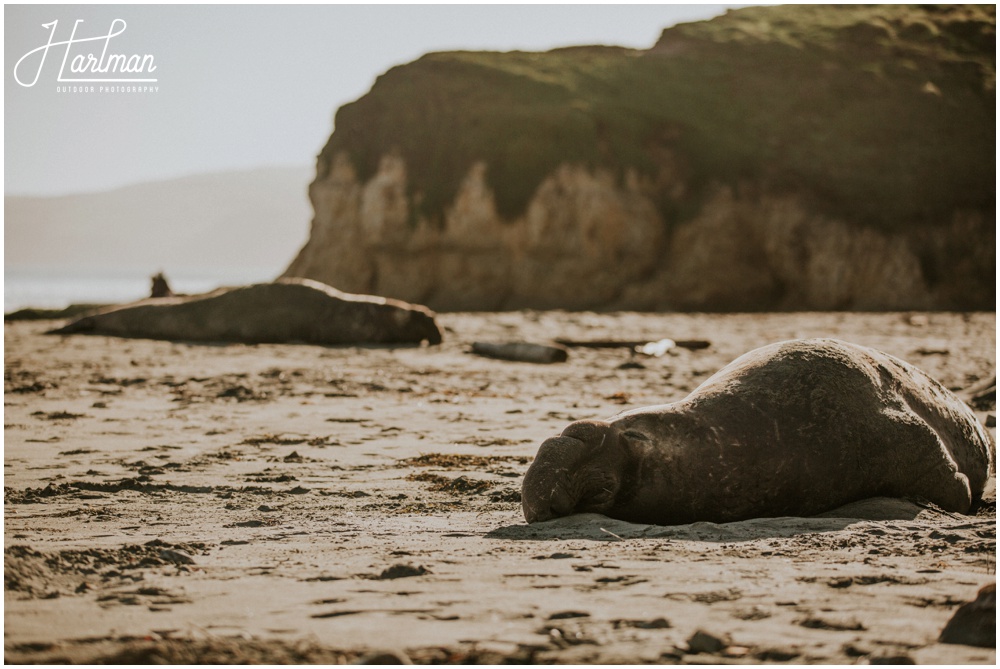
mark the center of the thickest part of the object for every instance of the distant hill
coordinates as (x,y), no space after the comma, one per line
(252,218)
(784,157)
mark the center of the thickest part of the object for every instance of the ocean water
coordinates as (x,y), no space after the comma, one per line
(57,288)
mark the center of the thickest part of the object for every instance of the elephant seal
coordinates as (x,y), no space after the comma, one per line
(160,287)
(288,310)
(791,429)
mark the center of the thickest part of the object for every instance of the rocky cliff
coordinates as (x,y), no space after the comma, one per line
(797,157)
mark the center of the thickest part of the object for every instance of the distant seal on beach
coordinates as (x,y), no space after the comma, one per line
(159,286)
(288,310)
(791,429)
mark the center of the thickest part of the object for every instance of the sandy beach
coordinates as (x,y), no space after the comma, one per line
(189,503)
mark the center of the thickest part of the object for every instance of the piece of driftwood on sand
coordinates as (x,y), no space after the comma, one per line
(692,344)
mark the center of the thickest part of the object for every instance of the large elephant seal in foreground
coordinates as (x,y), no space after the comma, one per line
(288,310)
(791,429)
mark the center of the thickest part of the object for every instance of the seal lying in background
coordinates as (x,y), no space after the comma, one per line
(791,429)
(288,310)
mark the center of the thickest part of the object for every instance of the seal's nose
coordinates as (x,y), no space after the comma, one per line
(541,503)
(537,515)
(537,507)
(545,490)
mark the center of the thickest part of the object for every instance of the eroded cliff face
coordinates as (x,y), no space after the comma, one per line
(581,239)
(590,241)
(785,157)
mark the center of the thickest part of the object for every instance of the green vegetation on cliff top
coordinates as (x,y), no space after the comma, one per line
(884,115)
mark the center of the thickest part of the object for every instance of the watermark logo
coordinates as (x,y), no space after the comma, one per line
(80,66)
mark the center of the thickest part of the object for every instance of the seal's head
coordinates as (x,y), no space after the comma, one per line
(414,322)
(579,471)
(422,323)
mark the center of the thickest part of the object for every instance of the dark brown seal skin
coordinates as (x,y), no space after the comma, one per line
(288,310)
(791,429)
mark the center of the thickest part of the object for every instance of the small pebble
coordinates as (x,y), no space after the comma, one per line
(384,657)
(705,642)
(403,571)
(176,557)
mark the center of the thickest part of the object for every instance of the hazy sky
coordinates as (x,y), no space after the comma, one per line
(246,86)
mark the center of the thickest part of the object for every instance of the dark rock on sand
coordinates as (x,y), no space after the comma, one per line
(975,623)
(706,642)
(521,351)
